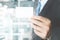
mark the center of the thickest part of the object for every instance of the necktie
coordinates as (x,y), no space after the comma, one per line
(38,9)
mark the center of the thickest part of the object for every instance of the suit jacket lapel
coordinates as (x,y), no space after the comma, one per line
(46,7)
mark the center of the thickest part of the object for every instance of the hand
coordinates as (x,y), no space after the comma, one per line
(41,26)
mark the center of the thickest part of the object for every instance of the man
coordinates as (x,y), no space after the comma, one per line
(47,24)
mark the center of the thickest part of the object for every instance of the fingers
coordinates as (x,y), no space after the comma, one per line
(40,34)
(42,30)
(42,19)
(39,24)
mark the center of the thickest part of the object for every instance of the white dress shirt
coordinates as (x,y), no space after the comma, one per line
(43,2)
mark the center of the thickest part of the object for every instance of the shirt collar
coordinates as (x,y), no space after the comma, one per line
(42,0)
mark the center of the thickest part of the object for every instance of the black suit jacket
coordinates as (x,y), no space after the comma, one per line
(52,11)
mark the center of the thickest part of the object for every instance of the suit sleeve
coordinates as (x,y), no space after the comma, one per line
(34,36)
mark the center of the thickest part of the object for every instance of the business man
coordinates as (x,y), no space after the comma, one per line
(47,24)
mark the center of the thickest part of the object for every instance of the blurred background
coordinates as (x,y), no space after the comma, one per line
(21,3)
(9,24)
